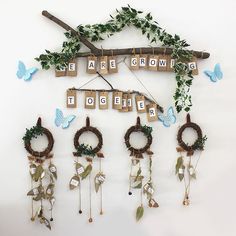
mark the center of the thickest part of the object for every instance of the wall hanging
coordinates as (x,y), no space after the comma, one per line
(136,178)
(43,174)
(172,56)
(214,75)
(121,100)
(185,168)
(81,173)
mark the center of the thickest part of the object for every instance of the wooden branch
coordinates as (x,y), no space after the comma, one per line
(124,51)
(117,90)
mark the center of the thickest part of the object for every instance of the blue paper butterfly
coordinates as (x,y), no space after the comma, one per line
(23,73)
(60,120)
(215,75)
(169,118)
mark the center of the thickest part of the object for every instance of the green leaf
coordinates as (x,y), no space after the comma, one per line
(138,186)
(74,182)
(53,170)
(138,174)
(178,164)
(39,173)
(139,212)
(97,186)
(87,171)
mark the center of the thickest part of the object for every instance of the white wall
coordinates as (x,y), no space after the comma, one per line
(207,25)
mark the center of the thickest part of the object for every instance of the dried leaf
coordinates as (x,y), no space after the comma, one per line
(53,170)
(35,191)
(87,171)
(179,163)
(46,222)
(138,186)
(152,203)
(97,186)
(139,212)
(79,168)
(192,172)
(32,169)
(40,196)
(52,201)
(181,172)
(50,190)
(39,173)
(74,182)
(138,174)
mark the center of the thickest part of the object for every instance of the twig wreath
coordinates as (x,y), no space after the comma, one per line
(82,172)
(172,45)
(181,166)
(41,191)
(136,180)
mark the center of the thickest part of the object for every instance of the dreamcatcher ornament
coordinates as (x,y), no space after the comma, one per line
(43,174)
(185,169)
(136,178)
(82,172)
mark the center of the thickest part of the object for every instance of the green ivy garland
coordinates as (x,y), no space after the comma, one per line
(129,16)
(86,150)
(33,132)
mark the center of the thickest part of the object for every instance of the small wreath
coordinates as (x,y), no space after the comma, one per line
(83,149)
(138,128)
(198,144)
(34,132)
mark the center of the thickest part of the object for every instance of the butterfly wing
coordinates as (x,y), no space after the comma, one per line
(171,115)
(29,73)
(211,75)
(164,120)
(59,117)
(21,70)
(67,121)
(218,72)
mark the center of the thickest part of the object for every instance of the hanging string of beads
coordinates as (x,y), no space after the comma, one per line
(43,174)
(184,168)
(82,172)
(136,180)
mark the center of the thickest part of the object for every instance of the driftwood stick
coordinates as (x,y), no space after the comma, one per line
(124,51)
(123,91)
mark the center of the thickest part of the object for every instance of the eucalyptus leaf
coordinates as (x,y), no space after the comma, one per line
(139,213)
(39,173)
(178,164)
(87,171)
(53,170)
(74,182)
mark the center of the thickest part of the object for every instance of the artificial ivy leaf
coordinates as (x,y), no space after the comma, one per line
(39,173)
(87,171)
(53,170)
(139,212)
(79,168)
(178,164)
(74,182)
